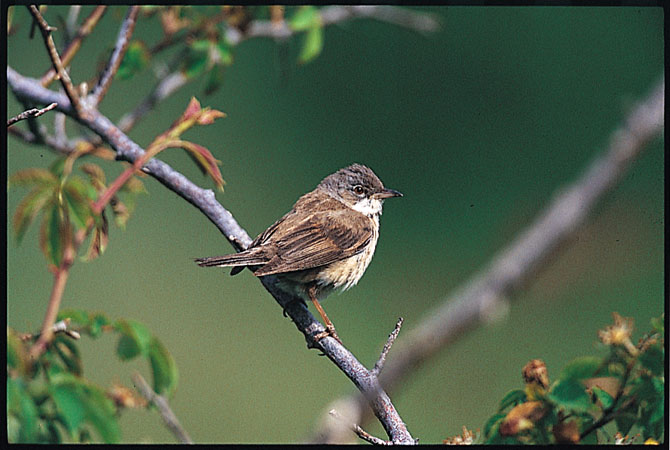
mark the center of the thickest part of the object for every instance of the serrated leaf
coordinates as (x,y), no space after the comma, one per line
(163,368)
(605,399)
(32,177)
(312,45)
(205,161)
(580,368)
(95,174)
(652,359)
(29,207)
(100,238)
(137,332)
(133,186)
(571,395)
(512,398)
(136,58)
(303,18)
(78,206)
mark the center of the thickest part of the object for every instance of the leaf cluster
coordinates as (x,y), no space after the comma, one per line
(626,387)
(51,401)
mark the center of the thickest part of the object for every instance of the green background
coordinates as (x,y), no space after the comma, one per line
(477,124)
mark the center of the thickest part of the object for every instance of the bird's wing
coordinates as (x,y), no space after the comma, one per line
(322,238)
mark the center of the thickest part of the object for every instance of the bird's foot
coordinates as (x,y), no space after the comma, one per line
(330,331)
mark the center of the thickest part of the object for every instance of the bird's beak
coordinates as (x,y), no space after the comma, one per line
(387,193)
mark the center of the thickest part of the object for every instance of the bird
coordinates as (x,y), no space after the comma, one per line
(325,242)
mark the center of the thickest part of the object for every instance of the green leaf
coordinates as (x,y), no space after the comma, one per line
(304,18)
(659,324)
(581,368)
(605,399)
(21,406)
(225,53)
(197,58)
(494,421)
(55,236)
(214,79)
(163,368)
(78,206)
(68,401)
(512,398)
(135,59)
(625,421)
(78,316)
(571,395)
(32,177)
(68,352)
(312,45)
(16,352)
(127,348)
(29,207)
(97,322)
(137,334)
(100,412)
(652,359)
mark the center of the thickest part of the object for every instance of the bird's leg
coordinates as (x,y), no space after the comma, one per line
(330,328)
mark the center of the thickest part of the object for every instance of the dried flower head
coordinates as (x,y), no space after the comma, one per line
(619,334)
(465,438)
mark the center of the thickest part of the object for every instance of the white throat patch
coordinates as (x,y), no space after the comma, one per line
(369,206)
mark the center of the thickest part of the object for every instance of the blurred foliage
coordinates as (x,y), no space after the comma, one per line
(51,401)
(626,386)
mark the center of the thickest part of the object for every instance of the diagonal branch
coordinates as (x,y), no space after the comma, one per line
(475,302)
(122,41)
(74,45)
(164,409)
(30,114)
(55,58)
(28,89)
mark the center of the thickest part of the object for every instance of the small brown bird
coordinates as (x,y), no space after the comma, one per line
(325,242)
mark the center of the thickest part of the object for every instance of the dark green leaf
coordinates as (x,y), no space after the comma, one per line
(580,368)
(100,412)
(135,59)
(197,58)
(97,322)
(21,406)
(68,352)
(304,18)
(494,421)
(225,53)
(605,399)
(78,206)
(57,167)
(625,421)
(127,348)
(313,44)
(214,79)
(512,398)
(163,368)
(137,332)
(67,399)
(653,359)
(571,395)
(55,244)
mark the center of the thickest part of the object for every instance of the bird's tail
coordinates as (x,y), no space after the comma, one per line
(233,260)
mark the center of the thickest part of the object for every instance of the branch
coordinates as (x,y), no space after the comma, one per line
(360,432)
(382,358)
(476,301)
(164,410)
(114,62)
(29,89)
(74,45)
(31,113)
(55,58)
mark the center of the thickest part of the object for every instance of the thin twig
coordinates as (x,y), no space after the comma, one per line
(379,365)
(31,113)
(55,58)
(122,41)
(479,298)
(59,327)
(360,432)
(75,44)
(164,409)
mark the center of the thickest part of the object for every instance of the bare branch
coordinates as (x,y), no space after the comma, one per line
(74,45)
(379,365)
(169,418)
(114,62)
(511,268)
(55,58)
(29,89)
(360,432)
(31,113)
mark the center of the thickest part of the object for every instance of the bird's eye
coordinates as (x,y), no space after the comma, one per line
(358,190)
